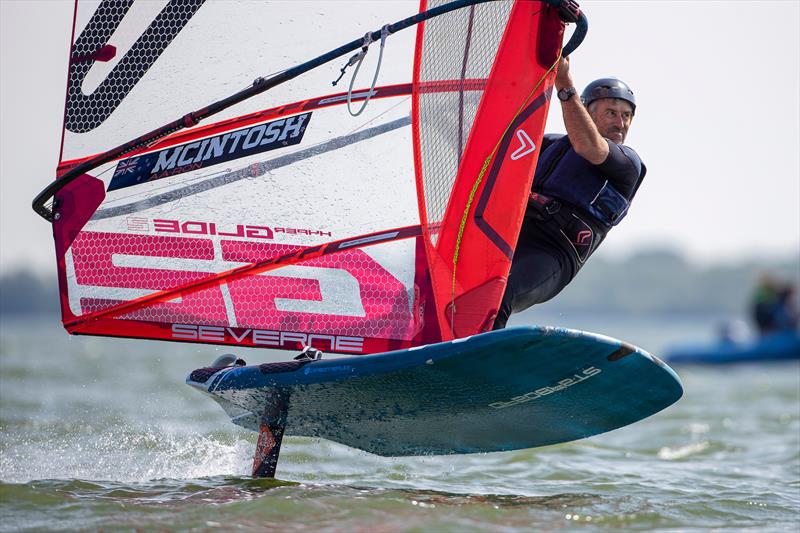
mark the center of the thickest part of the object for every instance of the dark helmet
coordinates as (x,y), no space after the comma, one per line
(608,88)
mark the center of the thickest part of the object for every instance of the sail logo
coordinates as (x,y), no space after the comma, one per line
(526,147)
(196,227)
(562,384)
(115,22)
(268,338)
(210,151)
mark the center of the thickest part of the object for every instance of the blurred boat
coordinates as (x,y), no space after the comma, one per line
(772,347)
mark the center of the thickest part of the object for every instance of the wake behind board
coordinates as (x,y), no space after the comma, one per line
(503,390)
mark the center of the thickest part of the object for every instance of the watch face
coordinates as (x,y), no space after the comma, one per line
(566,93)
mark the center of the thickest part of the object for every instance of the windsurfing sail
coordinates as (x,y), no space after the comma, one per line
(288,222)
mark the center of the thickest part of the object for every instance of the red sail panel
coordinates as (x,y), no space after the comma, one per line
(473,178)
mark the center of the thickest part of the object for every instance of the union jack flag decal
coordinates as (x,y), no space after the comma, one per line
(127,166)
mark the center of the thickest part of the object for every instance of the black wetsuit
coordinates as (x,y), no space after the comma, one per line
(558,233)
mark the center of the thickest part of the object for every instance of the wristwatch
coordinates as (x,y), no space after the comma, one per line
(566,93)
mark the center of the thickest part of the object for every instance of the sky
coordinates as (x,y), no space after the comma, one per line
(717,124)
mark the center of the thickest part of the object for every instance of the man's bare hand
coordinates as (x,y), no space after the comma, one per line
(563,77)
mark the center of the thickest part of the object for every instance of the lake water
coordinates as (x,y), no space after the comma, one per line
(102,434)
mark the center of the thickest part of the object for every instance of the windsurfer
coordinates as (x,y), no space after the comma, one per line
(582,187)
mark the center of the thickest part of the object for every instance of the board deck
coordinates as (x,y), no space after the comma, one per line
(503,390)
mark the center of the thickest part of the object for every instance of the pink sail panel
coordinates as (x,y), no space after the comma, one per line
(157,286)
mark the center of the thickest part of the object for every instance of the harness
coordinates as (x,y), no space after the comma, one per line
(569,223)
(573,180)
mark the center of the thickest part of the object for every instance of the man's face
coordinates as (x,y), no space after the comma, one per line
(612,117)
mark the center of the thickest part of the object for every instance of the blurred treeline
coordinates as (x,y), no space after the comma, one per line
(648,282)
(665,282)
(23,292)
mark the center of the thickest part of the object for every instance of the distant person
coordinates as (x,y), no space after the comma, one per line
(583,185)
(787,317)
(763,304)
(773,308)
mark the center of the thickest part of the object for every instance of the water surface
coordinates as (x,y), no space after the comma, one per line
(102,434)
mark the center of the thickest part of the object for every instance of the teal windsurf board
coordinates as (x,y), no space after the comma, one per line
(503,390)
